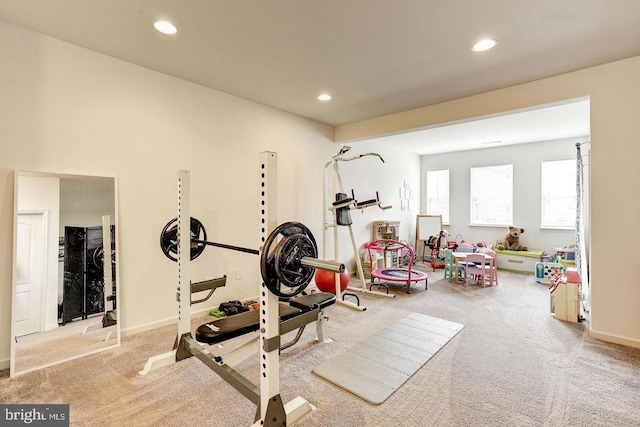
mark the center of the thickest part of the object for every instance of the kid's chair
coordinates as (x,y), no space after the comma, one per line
(450,267)
(476,269)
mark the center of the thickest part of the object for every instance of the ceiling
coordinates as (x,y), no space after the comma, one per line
(546,123)
(375,57)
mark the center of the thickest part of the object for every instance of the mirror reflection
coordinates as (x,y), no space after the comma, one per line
(65,288)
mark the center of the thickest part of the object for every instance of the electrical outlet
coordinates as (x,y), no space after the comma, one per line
(239,274)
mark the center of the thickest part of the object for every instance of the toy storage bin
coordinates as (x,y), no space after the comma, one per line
(518,261)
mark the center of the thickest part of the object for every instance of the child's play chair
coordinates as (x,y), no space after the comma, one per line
(450,267)
(476,270)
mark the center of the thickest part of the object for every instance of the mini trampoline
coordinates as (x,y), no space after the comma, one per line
(396,275)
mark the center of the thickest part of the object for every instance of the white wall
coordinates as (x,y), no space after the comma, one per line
(526,160)
(80,219)
(61,105)
(614,91)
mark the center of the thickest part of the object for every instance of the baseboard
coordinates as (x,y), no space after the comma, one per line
(169,321)
(148,326)
(615,339)
(160,323)
(51,327)
(4,364)
(516,271)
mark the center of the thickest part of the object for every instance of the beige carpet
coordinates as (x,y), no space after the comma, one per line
(511,365)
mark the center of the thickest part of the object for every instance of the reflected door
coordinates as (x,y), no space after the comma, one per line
(30,265)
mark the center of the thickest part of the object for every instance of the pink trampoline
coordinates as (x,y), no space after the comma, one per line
(384,276)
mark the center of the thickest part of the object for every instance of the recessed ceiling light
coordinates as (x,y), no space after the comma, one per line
(324,97)
(165,27)
(483,45)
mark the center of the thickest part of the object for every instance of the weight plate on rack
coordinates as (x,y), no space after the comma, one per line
(169,239)
(280,261)
(289,252)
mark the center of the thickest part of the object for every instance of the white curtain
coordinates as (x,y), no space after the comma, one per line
(581,251)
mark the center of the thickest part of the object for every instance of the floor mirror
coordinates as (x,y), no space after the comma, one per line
(65,269)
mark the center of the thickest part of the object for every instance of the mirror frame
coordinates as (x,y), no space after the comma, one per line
(17,174)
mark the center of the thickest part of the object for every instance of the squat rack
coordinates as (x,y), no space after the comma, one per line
(270,409)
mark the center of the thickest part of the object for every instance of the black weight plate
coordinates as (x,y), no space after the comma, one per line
(288,254)
(272,279)
(169,239)
(98,256)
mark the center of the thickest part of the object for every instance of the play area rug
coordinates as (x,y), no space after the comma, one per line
(378,366)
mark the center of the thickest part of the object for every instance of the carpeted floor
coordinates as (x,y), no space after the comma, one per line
(64,343)
(513,364)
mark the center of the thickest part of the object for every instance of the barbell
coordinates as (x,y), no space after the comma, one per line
(289,256)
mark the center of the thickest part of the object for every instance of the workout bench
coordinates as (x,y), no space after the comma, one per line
(295,314)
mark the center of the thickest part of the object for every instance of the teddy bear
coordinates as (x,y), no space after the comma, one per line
(511,240)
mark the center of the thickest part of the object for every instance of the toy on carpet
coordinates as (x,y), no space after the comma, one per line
(325,281)
(481,247)
(511,240)
(439,243)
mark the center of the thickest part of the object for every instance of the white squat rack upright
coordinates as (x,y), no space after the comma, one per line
(271,410)
(109,318)
(340,209)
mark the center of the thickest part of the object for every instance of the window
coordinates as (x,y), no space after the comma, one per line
(491,194)
(438,194)
(559,193)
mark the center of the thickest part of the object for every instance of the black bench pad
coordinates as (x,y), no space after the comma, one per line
(249,321)
(313,301)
